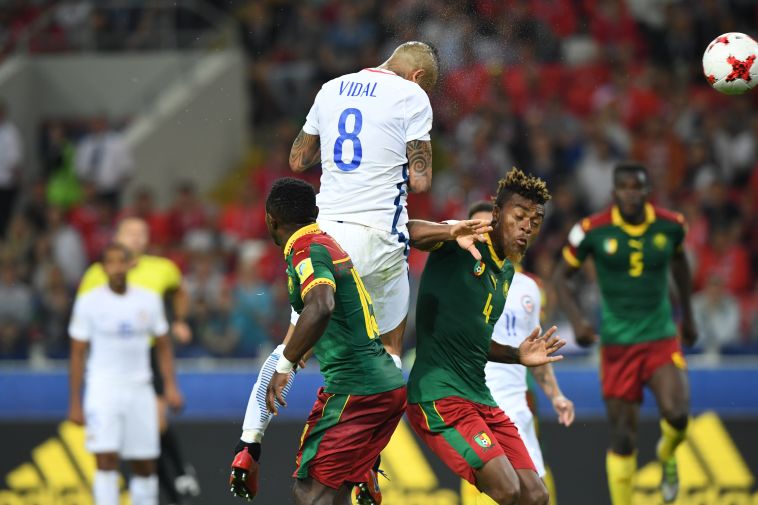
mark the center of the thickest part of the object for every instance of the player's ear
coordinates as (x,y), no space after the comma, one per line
(417,76)
(271,223)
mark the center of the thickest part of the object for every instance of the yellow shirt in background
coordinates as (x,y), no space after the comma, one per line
(151,272)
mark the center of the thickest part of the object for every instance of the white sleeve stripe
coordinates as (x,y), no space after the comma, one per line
(576,235)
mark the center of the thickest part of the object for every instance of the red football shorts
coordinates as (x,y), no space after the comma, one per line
(466,435)
(625,369)
(345,434)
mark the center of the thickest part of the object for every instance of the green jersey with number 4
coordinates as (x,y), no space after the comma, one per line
(632,265)
(459,301)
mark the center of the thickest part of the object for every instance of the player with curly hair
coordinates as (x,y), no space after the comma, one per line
(459,302)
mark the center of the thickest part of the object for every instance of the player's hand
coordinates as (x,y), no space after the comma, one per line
(467,233)
(538,349)
(181,332)
(174,398)
(275,391)
(76,415)
(585,334)
(565,410)
(689,332)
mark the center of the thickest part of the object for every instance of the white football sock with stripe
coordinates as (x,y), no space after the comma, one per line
(144,490)
(257,416)
(105,487)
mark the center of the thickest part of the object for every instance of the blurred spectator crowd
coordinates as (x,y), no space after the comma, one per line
(48,26)
(562,88)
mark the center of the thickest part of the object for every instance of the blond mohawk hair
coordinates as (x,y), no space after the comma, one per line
(529,186)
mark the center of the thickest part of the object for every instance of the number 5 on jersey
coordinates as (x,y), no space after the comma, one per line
(636,259)
(349,135)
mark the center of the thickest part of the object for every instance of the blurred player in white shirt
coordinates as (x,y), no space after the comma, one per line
(508,382)
(371,132)
(115,323)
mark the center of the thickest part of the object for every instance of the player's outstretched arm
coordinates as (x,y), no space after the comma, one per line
(535,350)
(419,153)
(305,152)
(426,235)
(75,381)
(680,271)
(318,306)
(545,377)
(562,281)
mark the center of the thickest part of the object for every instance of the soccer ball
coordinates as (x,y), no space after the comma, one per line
(729,63)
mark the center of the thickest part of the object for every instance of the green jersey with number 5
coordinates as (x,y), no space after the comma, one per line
(459,301)
(632,265)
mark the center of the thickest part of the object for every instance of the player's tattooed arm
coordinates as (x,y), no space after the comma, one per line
(564,407)
(305,152)
(419,154)
(545,377)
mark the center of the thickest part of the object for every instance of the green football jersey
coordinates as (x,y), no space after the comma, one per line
(632,265)
(350,354)
(459,302)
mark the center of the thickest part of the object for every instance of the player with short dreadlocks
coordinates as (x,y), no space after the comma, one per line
(460,300)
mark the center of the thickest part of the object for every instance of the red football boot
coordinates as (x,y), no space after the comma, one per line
(243,480)
(368,493)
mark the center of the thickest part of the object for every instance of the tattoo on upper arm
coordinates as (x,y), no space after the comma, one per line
(305,152)
(419,154)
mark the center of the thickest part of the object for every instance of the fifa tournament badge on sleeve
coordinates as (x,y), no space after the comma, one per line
(479,268)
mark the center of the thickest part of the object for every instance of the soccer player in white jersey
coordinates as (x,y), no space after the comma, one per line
(115,322)
(371,132)
(508,382)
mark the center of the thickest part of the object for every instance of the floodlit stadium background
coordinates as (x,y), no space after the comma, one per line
(205,97)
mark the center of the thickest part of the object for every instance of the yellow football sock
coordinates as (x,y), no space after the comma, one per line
(669,441)
(621,470)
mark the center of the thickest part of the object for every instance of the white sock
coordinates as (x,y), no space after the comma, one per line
(105,487)
(397,360)
(144,490)
(257,416)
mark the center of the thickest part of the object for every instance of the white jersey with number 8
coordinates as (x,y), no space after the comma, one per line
(364,121)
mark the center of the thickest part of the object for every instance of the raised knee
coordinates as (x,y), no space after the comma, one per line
(504,495)
(539,496)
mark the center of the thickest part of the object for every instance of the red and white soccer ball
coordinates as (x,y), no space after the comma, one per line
(729,63)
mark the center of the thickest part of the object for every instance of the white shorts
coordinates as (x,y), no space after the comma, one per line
(524,421)
(122,418)
(380,259)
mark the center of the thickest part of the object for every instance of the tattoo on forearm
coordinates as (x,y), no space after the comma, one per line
(541,374)
(420,164)
(306,151)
